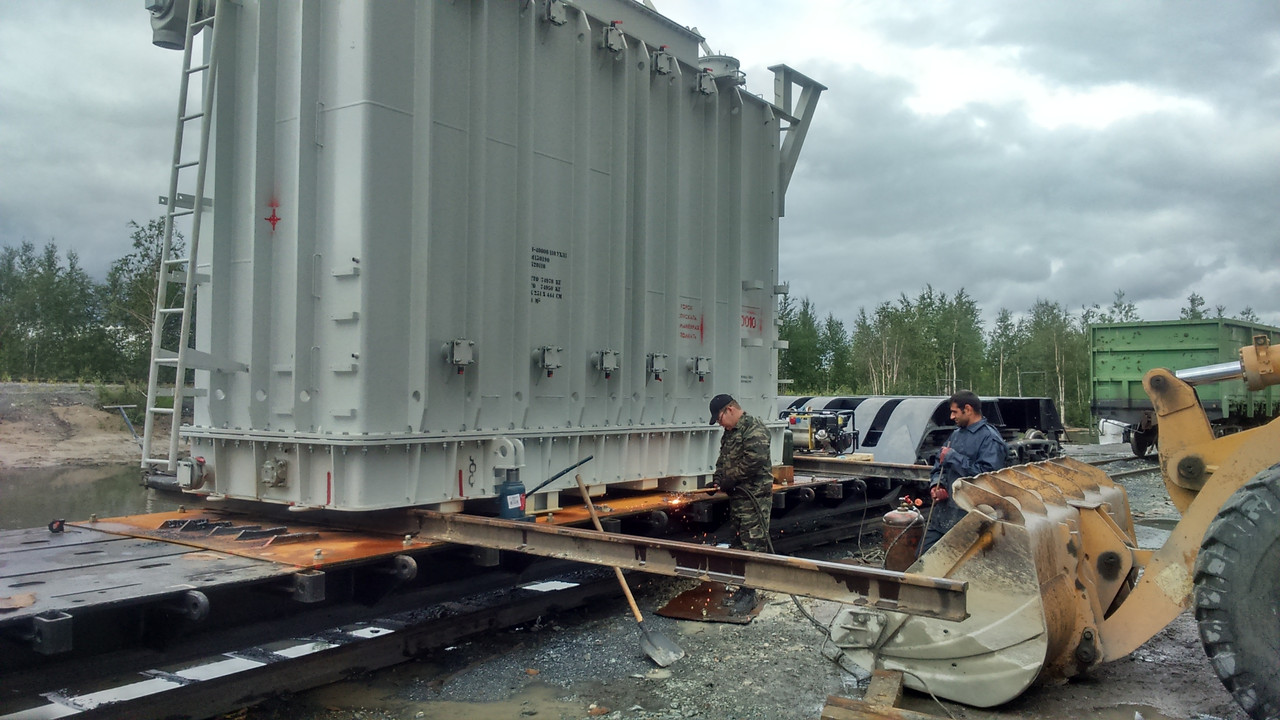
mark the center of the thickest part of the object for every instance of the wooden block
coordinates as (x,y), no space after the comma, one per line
(885,688)
(784,474)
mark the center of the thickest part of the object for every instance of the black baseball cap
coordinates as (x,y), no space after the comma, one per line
(718,403)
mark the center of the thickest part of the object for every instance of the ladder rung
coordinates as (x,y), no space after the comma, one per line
(197,68)
(187,392)
(193,163)
(196,360)
(170,311)
(177,261)
(184,200)
(203,23)
(180,276)
(160,411)
(192,116)
(156,461)
(180,213)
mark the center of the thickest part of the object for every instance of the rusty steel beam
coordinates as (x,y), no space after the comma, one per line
(842,467)
(849,584)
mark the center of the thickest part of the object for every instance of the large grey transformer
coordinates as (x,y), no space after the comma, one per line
(446,240)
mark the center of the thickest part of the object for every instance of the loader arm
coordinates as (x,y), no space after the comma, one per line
(1200,472)
(1058,585)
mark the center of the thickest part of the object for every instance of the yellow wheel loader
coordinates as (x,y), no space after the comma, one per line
(1058,585)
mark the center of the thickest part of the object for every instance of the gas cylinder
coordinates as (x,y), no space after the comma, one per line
(511,497)
(903,530)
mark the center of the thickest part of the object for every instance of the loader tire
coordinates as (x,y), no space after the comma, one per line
(1237,595)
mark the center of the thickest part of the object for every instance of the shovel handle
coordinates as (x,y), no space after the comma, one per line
(595,520)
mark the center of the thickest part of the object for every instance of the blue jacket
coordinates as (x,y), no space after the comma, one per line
(975,449)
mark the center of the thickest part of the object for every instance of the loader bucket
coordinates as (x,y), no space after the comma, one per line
(1046,550)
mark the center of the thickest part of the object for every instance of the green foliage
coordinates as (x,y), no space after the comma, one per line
(51,325)
(927,345)
(801,362)
(57,324)
(1122,311)
(935,344)
(1194,309)
(129,295)
(127,393)
(1004,348)
(1054,361)
(837,357)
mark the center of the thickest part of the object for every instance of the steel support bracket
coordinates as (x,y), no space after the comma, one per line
(308,586)
(51,633)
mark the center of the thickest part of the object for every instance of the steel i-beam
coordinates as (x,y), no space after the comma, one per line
(849,584)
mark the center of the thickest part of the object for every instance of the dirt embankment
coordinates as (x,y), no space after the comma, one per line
(48,425)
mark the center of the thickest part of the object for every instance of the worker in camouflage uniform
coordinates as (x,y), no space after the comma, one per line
(743,471)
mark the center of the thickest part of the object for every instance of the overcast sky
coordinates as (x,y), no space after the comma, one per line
(1020,150)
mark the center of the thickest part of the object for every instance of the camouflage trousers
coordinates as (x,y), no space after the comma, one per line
(749,506)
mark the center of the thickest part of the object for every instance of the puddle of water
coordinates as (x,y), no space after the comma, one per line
(1130,712)
(1162,523)
(1153,532)
(536,700)
(31,497)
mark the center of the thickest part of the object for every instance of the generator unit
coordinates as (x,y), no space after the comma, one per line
(912,429)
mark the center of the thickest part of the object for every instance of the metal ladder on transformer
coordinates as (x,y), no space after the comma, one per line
(181,270)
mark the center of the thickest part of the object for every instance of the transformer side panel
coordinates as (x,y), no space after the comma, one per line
(456,237)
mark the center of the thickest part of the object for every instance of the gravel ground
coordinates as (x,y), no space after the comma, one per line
(588,663)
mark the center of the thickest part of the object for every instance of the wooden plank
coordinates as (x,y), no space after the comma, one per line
(835,712)
(879,702)
(843,702)
(861,711)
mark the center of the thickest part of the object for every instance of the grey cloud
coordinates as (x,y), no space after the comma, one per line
(1186,48)
(884,200)
(86,125)
(1158,205)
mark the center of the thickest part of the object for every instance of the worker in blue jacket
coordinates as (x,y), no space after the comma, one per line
(975,447)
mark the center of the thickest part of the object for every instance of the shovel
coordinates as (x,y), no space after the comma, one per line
(657,646)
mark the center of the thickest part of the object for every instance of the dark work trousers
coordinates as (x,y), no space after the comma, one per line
(944,516)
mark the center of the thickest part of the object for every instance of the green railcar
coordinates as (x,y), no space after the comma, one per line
(1121,353)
